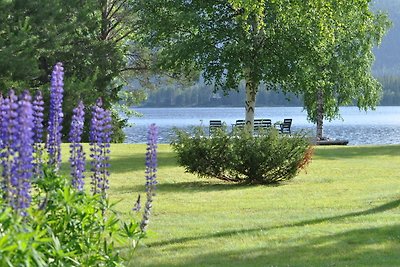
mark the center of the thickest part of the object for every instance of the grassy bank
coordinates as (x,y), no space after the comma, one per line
(343,212)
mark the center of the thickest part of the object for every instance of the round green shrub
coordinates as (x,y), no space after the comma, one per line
(265,158)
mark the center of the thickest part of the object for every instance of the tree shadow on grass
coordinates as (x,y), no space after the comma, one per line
(197,186)
(385,207)
(354,152)
(137,161)
(376,246)
(193,186)
(125,164)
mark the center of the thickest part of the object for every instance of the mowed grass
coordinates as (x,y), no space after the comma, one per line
(345,211)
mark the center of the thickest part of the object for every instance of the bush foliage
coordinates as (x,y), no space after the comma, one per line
(265,158)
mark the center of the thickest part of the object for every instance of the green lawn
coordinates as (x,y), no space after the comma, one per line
(343,212)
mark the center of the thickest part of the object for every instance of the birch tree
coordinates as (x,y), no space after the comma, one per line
(336,66)
(229,40)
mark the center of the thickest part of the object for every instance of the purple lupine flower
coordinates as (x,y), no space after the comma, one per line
(137,205)
(55,116)
(38,133)
(1,120)
(151,158)
(9,140)
(151,174)
(23,167)
(100,137)
(1,116)
(77,159)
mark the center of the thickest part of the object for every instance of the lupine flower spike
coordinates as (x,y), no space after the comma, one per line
(77,159)
(100,137)
(22,169)
(1,117)
(137,205)
(151,174)
(55,116)
(8,135)
(38,133)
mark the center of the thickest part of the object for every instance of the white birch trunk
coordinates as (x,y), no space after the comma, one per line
(250,104)
(320,114)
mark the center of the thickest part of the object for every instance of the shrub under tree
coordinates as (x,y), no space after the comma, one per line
(266,158)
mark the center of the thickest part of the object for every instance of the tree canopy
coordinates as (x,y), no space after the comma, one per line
(310,48)
(336,68)
(228,40)
(286,44)
(91,38)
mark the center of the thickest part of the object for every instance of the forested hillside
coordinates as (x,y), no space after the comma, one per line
(386,68)
(387,61)
(387,55)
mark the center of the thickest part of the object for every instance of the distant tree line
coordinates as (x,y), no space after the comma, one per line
(202,95)
(391,90)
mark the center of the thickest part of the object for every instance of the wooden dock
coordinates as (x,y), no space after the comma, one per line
(332,142)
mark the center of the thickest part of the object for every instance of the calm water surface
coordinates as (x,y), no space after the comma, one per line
(381,126)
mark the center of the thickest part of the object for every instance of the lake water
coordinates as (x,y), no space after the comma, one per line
(381,126)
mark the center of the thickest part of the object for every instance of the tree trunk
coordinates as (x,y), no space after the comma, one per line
(320,114)
(250,104)
(104,31)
